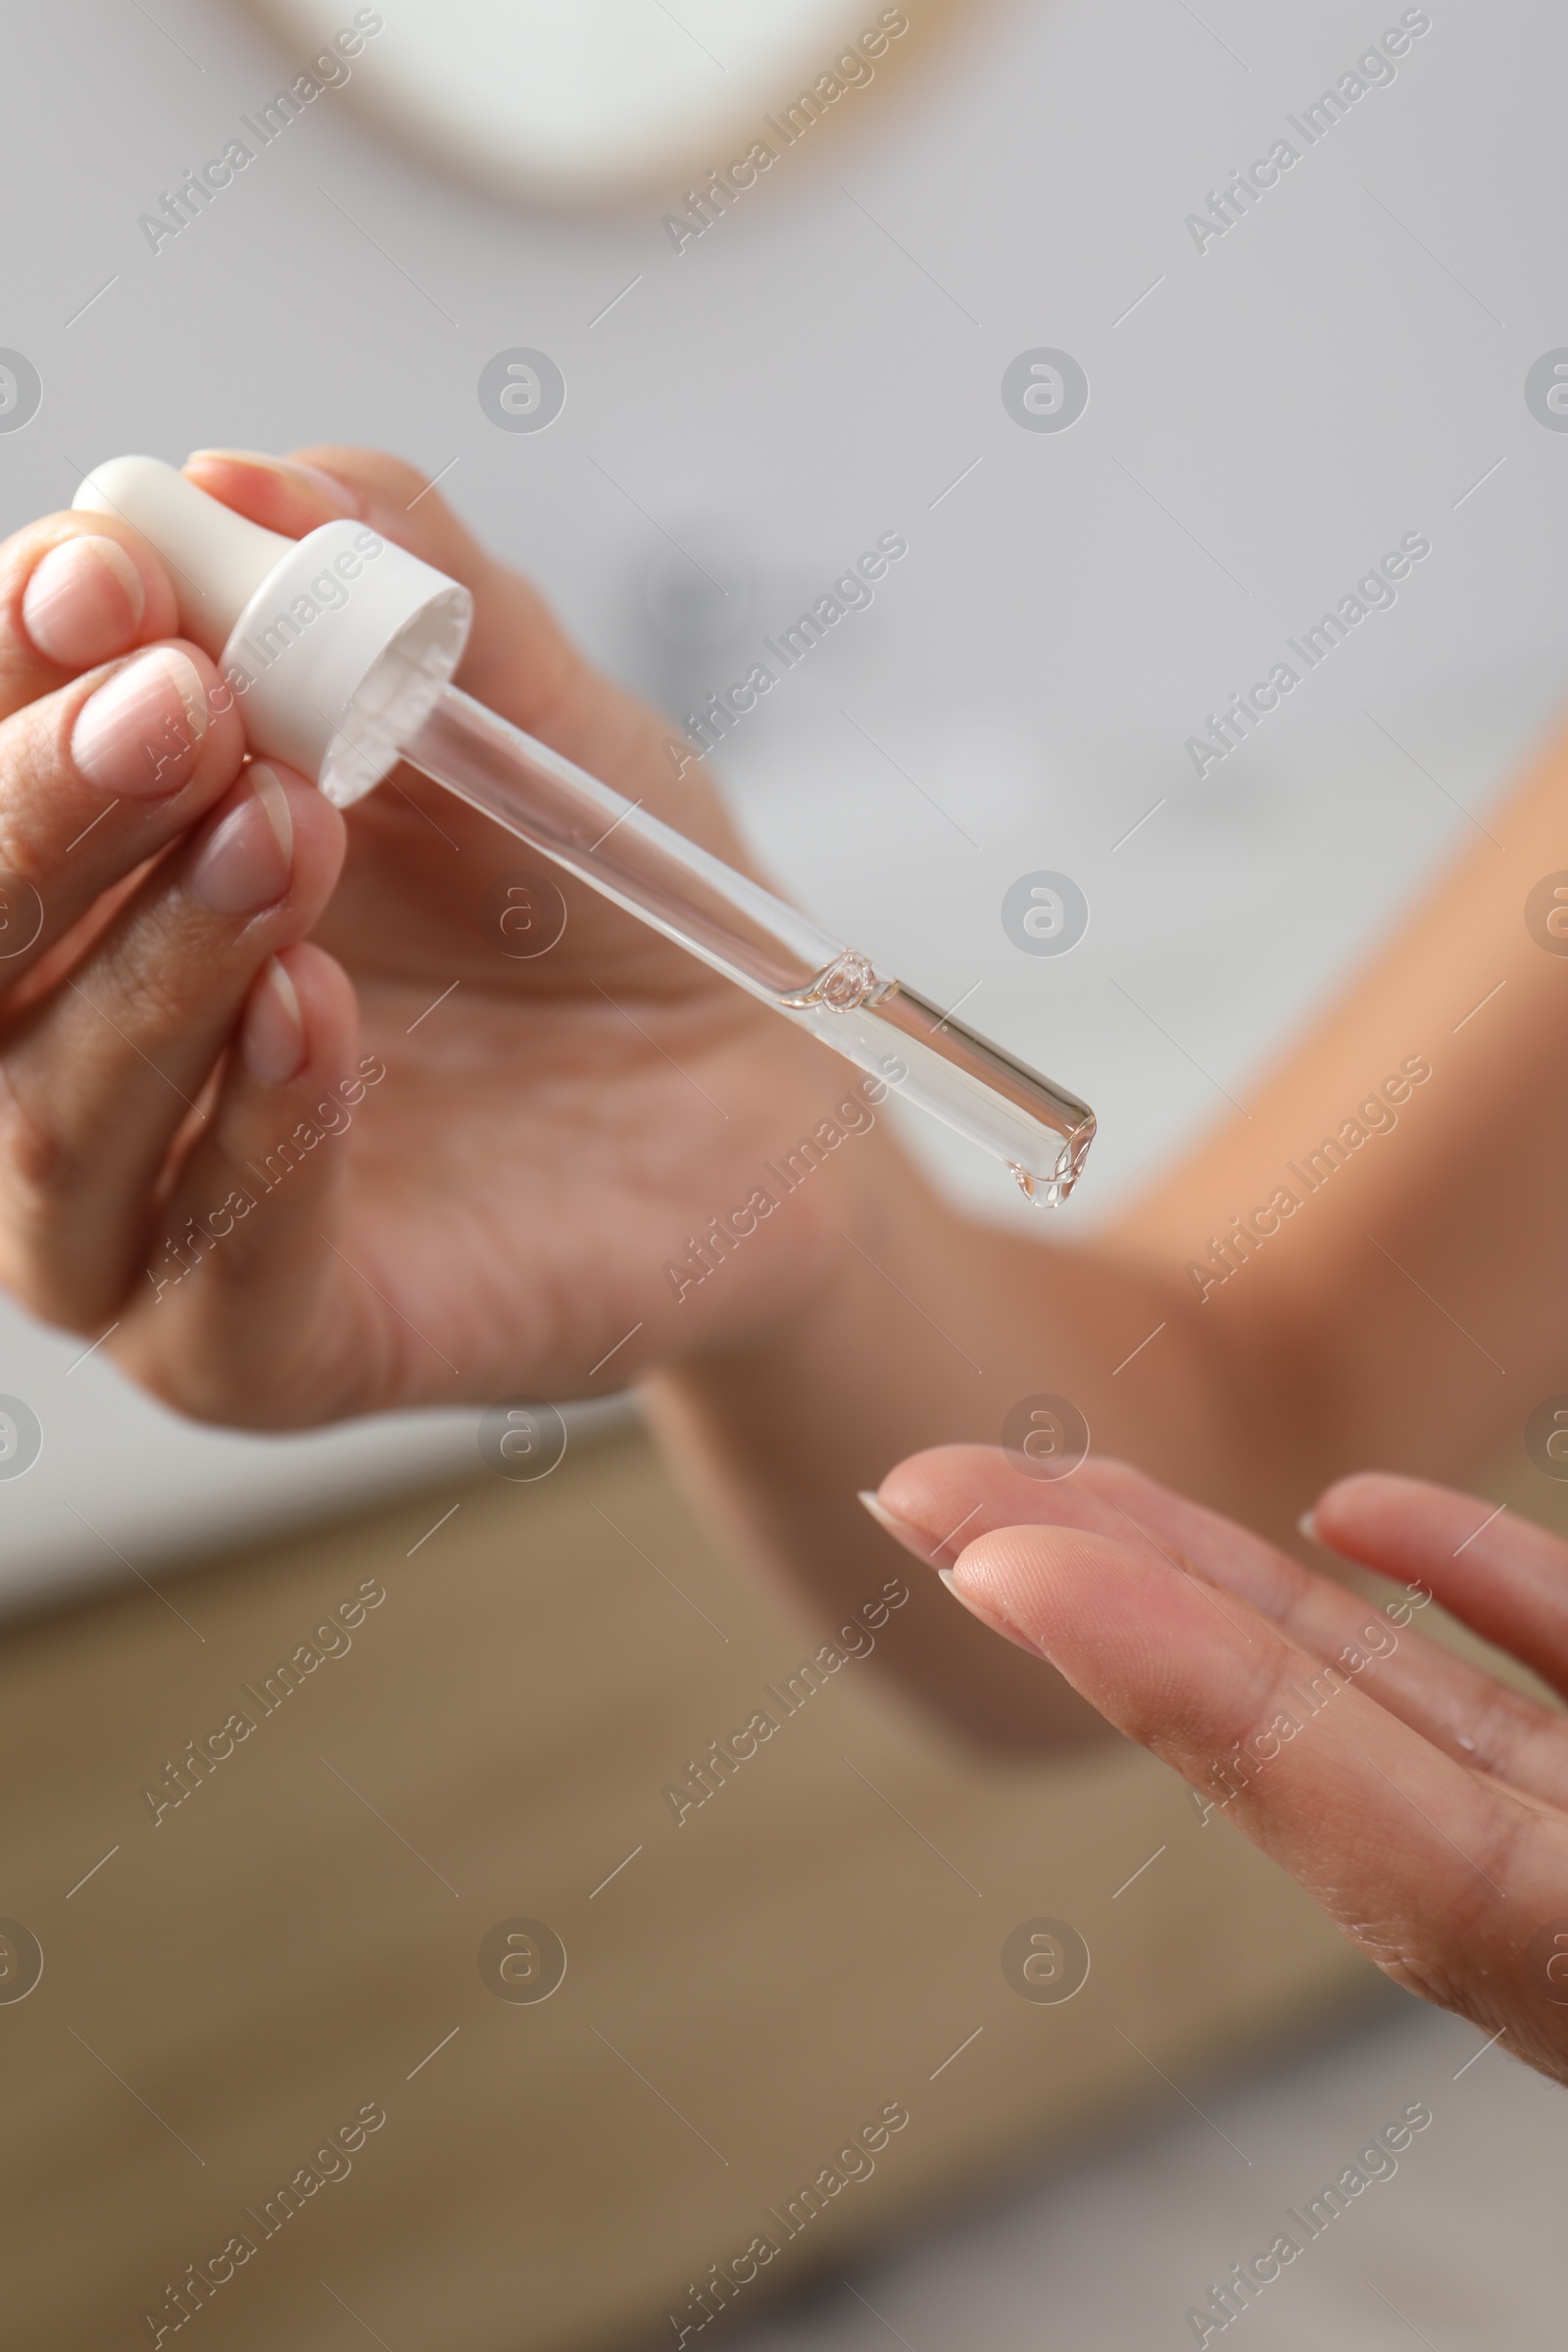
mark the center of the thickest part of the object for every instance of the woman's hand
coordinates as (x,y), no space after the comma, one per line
(1421,1802)
(281,1108)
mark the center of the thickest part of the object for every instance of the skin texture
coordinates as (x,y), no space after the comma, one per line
(1422,1803)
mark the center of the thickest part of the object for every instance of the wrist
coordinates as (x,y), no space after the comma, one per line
(846,1245)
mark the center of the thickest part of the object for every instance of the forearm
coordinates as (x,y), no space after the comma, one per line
(1410,1291)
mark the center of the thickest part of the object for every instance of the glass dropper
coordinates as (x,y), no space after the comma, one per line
(763,945)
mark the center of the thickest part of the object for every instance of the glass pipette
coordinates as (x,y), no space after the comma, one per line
(763,945)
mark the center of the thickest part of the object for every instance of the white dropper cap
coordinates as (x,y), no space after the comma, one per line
(334,646)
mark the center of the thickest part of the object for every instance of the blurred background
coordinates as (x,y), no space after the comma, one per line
(755,391)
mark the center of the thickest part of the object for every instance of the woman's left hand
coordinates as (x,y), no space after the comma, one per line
(1420,1801)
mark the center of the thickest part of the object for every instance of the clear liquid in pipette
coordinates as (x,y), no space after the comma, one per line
(1041,1134)
(1039,1131)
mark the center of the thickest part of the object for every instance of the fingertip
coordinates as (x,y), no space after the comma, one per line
(1037,1557)
(405,504)
(328,1005)
(84,602)
(301,1017)
(1059,1593)
(974,1586)
(78,589)
(152,726)
(920,1491)
(899,1529)
(344,497)
(1354,1504)
(318,826)
(285,495)
(272,1042)
(386,488)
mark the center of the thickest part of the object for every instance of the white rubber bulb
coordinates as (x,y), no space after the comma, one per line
(334,646)
(216,559)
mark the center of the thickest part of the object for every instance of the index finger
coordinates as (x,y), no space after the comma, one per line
(295,494)
(1457,1705)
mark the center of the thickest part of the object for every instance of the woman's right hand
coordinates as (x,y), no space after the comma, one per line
(205,966)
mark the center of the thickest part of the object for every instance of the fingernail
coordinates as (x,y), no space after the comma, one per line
(245,861)
(343,501)
(986,1611)
(918,1538)
(83,603)
(135,736)
(899,1529)
(274,1038)
(1306,1525)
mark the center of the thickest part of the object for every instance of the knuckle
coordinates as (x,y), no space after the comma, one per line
(34,763)
(44,1176)
(203,1395)
(1505,1731)
(21,862)
(40,1171)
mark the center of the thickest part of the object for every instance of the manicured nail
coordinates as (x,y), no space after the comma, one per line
(245,861)
(899,1529)
(83,603)
(987,1612)
(273,1037)
(137,736)
(918,1538)
(343,501)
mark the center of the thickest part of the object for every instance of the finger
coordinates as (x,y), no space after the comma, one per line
(1449,1701)
(296,494)
(1503,1576)
(554,684)
(937,1502)
(102,1075)
(1439,1875)
(243,1309)
(285,495)
(100,776)
(76,590)
(519,661)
